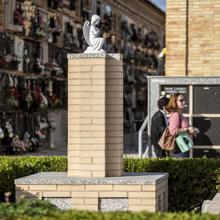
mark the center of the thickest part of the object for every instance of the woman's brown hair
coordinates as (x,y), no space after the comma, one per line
(172,105)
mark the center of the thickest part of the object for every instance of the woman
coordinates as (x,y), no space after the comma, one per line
(177,122)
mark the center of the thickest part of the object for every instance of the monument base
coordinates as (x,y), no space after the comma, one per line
(212,206)
(131,192)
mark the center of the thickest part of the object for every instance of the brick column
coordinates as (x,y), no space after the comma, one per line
(95,115)
(114,116)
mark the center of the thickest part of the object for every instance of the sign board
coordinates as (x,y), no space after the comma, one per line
(206,99)
(181,89)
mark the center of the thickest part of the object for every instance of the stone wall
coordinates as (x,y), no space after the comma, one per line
(141,12)
(1,15)
(193,38)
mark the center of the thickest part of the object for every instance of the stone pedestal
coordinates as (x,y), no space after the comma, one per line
(133,191)
(94,180)
(95,115)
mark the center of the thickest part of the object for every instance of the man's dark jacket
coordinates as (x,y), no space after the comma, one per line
(158,125)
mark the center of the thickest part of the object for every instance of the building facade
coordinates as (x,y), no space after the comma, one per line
(37,35)
(193,38)
(193,52)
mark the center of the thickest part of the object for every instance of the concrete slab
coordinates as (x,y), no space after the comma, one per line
(213,206)
(62,178)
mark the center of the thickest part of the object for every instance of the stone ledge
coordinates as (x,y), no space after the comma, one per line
(212,206)
(117,56)
(62,178)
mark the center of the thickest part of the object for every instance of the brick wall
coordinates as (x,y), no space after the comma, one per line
(176,38)
(193,38)
(86,197)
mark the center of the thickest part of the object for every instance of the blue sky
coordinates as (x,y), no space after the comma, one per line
(160,3)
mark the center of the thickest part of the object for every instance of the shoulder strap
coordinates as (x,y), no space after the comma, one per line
(180,120)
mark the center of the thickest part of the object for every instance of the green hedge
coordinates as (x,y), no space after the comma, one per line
(12,168)
(191,181)
(42,210)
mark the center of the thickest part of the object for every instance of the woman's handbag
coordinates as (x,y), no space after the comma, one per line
(184,142)
(167,141)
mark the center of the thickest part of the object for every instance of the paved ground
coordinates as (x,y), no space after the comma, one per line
(59,151)
(49,152)
(63,152)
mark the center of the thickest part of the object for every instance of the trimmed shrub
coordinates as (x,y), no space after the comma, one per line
(191,181)
(42,210)
(30,208)
(12,168)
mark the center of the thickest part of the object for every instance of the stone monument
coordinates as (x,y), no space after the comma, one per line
(95,178)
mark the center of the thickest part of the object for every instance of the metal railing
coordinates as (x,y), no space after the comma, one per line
(140,137)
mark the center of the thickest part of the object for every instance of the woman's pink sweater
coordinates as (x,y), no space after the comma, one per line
(174,122)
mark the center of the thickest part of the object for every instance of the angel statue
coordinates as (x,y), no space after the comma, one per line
(91,33)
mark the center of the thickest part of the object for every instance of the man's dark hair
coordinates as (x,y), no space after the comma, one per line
(162,102)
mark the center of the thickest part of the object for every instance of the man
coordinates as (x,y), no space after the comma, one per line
(158,125)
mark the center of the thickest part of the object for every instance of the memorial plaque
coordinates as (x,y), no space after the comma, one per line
(209,131)
(206,99)
(173,89)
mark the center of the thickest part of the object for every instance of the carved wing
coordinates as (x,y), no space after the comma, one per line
(86,28)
